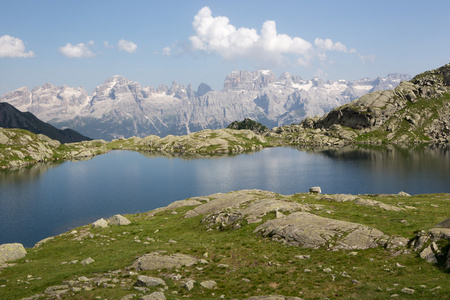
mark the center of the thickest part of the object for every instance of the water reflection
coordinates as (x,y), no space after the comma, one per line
(47,199)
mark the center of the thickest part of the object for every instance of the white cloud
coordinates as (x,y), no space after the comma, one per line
(77,51)
(127,46)
(167,51)
(13,47)
(216,35)
(107,45)
(366,58)
(329,45)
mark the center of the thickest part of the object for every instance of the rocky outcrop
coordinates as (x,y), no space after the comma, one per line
(21,147)
(307,230)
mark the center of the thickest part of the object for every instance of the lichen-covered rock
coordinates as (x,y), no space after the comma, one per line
(100,223)
(158,261)
(143,280)
(311,231)
(12,251)
(118,220)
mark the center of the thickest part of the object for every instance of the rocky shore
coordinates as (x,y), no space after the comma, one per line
(247,244)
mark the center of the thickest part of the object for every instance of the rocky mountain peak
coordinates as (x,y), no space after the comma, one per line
(202,89)
(245,80)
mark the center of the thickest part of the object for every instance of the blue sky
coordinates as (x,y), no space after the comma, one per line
(82,43)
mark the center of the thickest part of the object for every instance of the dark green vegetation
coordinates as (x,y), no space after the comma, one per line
(241,262)
(10,117)
(250,125)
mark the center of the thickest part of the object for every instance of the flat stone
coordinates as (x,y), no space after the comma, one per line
(154,296)
(408,291)
(209,284)
(157,261)
(87,261)
(311,231)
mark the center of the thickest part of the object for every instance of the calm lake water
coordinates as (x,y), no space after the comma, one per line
(48,199)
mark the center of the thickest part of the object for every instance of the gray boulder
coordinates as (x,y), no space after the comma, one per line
(118,220)
(10,252)
(101,223)
(154,296)
(158,261)
(311,231)
(149,281)
(315,190)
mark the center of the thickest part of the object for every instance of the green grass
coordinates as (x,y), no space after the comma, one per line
(268,267)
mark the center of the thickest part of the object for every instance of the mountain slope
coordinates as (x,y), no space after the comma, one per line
(10,117)
(123,108)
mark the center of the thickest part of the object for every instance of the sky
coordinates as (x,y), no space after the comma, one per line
(84,42)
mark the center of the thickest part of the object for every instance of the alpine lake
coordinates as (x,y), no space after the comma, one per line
(47,199)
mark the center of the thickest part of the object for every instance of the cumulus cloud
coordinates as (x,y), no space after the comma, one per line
(13,47)
(216,35)
(127,46)
(77,51)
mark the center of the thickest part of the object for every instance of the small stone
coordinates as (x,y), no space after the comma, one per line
(408,291)
(145,281)
(223,266)
(307,271)
(353,253)
(87,261)
(327,270)
(303,256)
(394,295)
(403,194)
(399,265)
(209,284)
(100,223)
(189,285)
(154,296)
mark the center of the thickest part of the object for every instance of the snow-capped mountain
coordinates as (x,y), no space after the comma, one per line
(123,108)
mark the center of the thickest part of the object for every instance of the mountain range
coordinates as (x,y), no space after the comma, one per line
(123,108)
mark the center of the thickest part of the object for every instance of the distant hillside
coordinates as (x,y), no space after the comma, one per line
(10,117)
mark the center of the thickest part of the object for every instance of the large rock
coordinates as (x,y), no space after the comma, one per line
(158,261)
(100,223)
(118,220)
(10,252)
(311,231)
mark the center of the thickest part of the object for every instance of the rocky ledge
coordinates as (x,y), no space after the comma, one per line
(247,244)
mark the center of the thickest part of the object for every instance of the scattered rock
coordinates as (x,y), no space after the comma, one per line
(403,194)
(209,284)
(158,261)
(10,252)
(189,284)
(87,261)
(149,281)
(118,220)
(154,296)
(101,223)
(408,291)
